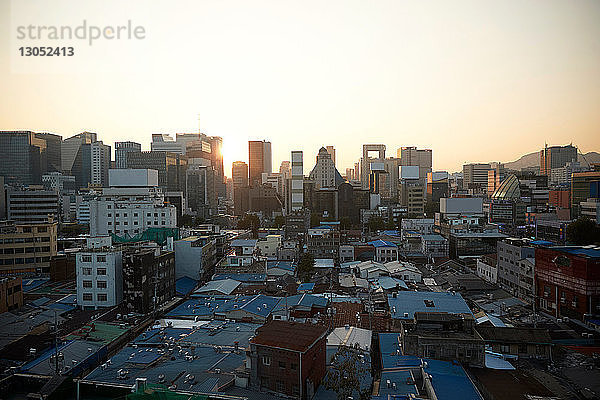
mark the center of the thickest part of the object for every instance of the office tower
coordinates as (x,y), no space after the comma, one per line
(216,157)
(556,157)
(23,156)
(164,142)
(53,151)
(324,174)
(99,163)
(297,182)
(201,192)
(350,174)
(132,204)
(121,150)
(171,168)
(239,174)
(285,168)
(331,151)
(259,158)
(496,176)
(437,186)
(475,176)
(421,158)
(32,205)
(71,152)
(366,160)
(357,171)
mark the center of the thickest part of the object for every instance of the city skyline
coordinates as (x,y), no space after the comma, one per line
(468,80)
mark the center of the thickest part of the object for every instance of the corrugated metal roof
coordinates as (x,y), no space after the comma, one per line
(405,304)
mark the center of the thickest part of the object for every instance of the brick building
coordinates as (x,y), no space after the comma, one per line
(567,280)
(288,358)
(11,293)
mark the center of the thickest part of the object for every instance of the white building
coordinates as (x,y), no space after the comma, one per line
(434,246)
(194,255)
(423,226)
(346,253)
(385,251)
(487,269)
(56,181)
(406,271)
(133,204)
(99,270)
(269,247)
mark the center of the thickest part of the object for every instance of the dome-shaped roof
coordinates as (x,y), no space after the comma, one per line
(509,189)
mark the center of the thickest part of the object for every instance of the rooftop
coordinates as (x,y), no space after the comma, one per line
(289,335)
(403,305)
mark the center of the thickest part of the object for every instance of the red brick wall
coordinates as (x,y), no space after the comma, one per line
(313,363)
(559,198)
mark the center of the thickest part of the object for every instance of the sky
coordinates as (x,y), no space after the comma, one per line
(472,80)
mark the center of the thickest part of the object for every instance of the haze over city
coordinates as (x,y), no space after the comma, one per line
(473,81)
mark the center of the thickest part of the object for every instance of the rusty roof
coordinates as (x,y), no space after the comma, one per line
(289,335)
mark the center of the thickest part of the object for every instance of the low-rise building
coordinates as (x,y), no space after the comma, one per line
(288,358)
(99,270)
(11,293)
(195,257)
(434,246)
(323,242)
(487,268)
(384,251)
(32,205)
(27,248)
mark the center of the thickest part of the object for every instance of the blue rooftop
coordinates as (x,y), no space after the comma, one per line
(301,301)
(185,285)
(31,284)
(401,384)
(450,382)
(391,353)
(287,265)
(541,243)
(388,283)
(382,243)
(243,277)
(303,287)
(405,304)
(579,250)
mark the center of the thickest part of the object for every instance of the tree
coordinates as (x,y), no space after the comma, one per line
(306,266)
(250,221)
(376,223)
(432,207)
(348,370)
(279,221)
(584,231)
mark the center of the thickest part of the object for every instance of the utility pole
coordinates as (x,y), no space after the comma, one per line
(57,370)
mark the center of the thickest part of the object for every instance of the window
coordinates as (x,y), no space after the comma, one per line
(293,366)
(87,297)
(282,364)
(86,271)
(86,258)
(101,284)
(101,297)
(87,284)
(101,258)
(101,271)
(266,360)
(505,348)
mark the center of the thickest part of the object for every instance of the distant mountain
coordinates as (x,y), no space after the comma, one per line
(533,160)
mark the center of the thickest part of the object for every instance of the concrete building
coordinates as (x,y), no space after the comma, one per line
(384,251)
(591,209)
(556,157)
(423,226)
(323,242)
(59,183)
(23,160)
(366,160)
(121,150)
(475,177)
(131,205)
(11,293)
(32,205)
(325,174)
(561,176)
(99,164)
(331,151)
(201,190)
(171,168)
(148,278)
(195,257)
(259,160)
(487,268)
(99,270)
(288,358)
(584,185)
(27,248)
(297,182)
(511,254)
(239,173)
(559,198)
(52,158)
(163,142)
(434,246)
(75,158)
(567,280)
(438,186)
(496,176)
(422,158)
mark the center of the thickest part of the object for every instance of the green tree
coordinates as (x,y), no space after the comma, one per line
(376,223)
(432,207)
(584,231)
(346,373)
(306,266)
(250,221)
(279,221)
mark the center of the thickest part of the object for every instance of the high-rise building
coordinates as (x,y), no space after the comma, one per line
(75,159)
(99,163)
(164,142)
(367,160)
(556,157)
(239,174)
(27,248)
(23,155)
(331,151)
(297,182)
(475,176)
(53,154)
(259,157)
(121,150)
(171,168)
(201,191)
(422,158)
(324,174)
(496,176)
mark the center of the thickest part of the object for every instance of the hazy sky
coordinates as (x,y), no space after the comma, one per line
(472,80)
